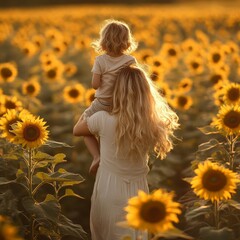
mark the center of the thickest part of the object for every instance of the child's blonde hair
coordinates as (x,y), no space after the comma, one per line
(115,37)
(144,118)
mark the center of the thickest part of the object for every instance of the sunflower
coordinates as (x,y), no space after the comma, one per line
(29,49)
(54,72)
(8,119)
(144,54)
(218,77)
(9,102)
(189,45)
(216,57)
(31,132)
(89,96)
(38,40)
(31,88)
(74,94)
(185,85)
(156,75)
(214,182)
(70,69)
(165,90)
(53,34)
(182,102)
(59,48)
(228,119)
(8,72)
(154,212)
(7,230)
(231,93)
(195,64)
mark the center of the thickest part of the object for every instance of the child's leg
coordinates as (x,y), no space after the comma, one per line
(93,147)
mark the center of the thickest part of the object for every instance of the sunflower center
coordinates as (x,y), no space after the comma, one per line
(145,57)
(216,57)
(74,93)
(31,133)
(214,180)
(233,94)
(157,63)
(195,65)
(232,119)
(6,72)
(215,78)
(30,89)
(10,105)
(172,52)
(185,85)
(154,76)
(51,73)
(92,97)
(153,211)
(182,101)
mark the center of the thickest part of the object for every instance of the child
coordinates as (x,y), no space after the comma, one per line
(115,43)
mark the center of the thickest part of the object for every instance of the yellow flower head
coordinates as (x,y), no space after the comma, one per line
(8,72)
(31,132)
(31,88)
(231,93)
(8,120)
(74,93)
(7,230)
(185,85)
(214,182)
(228,119)
(89,96)
(8,103)
(154,212)
(182,102)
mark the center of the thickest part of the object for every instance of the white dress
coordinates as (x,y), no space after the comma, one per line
(117,180)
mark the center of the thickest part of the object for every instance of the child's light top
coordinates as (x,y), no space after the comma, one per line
(108,67)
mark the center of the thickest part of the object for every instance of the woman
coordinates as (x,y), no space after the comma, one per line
(140,121)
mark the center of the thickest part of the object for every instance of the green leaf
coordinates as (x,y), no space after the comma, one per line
(47,209)
(196,212)
(212,143)
(68,228)
(10,157)
(210,233)
(208,130)
(41,156)
(49,197)
(20,173)
(234,204)
(59,158)
(70,193)
(54,144)
(172,233)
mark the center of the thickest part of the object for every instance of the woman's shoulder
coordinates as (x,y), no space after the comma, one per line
(103,114)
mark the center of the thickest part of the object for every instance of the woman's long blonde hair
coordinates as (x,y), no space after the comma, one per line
(115,37)
(144,118)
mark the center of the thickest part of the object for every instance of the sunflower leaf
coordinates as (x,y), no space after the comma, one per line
(208,130)
(172,233)
(55,144)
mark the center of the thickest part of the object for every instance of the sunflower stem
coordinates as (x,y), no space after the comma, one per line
(216,213)
(231,151)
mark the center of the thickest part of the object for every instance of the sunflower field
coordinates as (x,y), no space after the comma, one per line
(192,53)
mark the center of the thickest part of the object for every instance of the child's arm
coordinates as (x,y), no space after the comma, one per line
(96,80)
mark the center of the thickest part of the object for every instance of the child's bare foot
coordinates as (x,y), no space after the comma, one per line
(94,166)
